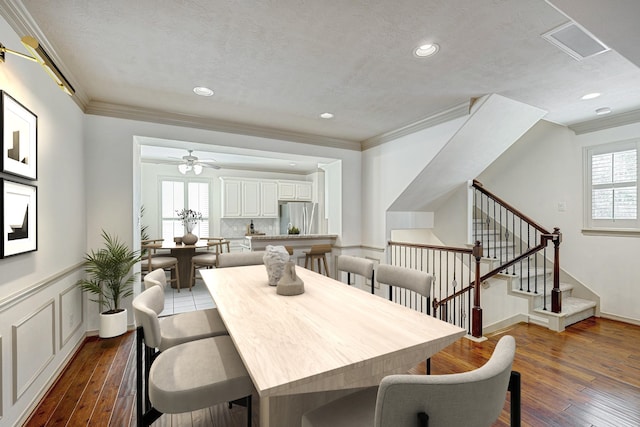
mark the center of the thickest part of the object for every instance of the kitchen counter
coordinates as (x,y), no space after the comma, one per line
(254,237)
(298,242)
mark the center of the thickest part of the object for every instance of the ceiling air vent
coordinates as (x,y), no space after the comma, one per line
(575,41)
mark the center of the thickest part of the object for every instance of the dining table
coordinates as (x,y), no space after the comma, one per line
(306,350)
(183,253)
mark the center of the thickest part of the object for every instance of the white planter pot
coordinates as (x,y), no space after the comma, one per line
(112,325)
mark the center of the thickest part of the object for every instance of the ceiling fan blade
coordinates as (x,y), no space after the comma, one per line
(206,165)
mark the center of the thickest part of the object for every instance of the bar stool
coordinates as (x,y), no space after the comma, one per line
(317,252)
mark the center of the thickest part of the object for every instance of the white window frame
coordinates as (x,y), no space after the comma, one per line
(178,229)
(613,225)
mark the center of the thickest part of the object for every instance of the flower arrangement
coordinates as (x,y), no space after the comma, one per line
(189,218)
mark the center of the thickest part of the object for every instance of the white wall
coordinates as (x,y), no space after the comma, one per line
(40,308)
(110,172)
(389,168)
(545,168)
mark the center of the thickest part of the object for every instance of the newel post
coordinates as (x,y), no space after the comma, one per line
(556,295)
(476,312)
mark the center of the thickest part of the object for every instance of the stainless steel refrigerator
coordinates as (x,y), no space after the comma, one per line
(302,215)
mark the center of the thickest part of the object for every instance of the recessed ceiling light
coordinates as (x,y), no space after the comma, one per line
(326,115)
(202,91)
(426,50)
(591,96)
(603,110)
(292,164)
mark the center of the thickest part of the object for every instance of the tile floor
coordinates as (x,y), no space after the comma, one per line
(198,299)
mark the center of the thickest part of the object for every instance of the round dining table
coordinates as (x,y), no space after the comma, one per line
(183,253)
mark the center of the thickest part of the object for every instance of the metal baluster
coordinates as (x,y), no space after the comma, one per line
(520,253)
(535,265)
(494,231)
(544,280)
(513,218)
(528,258)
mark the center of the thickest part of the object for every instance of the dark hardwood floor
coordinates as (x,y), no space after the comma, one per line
(588,375)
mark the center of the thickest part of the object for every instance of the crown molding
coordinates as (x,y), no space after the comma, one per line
(439,118)
(23,24)
(607,122)
(155,116)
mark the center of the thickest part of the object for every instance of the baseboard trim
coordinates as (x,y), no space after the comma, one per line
(505,323)
(623,319)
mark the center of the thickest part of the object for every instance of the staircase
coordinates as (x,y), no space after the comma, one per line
(506,237)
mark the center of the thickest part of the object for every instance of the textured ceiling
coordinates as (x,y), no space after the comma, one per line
(279,64)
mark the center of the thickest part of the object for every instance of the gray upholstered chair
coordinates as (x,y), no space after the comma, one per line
(178,328)
(410,279)
(187,376)
(356,265)
(238,259)
(209,258)
(406,278)
(154,259)
(155,278)
(470,399)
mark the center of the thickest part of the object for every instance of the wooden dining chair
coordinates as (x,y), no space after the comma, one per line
(153,260)
(356,266)
(317,253)
(209,258)
(170,368)
(469,399)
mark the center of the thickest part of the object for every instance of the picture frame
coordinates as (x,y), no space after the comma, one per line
(19,138)
(19,214)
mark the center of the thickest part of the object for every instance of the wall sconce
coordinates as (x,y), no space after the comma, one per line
(41,57)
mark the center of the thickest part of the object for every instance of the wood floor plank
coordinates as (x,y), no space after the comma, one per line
(588,375)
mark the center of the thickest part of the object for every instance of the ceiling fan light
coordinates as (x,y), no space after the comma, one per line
(183,168)
(197,169)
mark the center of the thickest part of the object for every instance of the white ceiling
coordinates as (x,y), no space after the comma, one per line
(275,66)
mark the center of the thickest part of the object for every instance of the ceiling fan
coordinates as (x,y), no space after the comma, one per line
(191,163)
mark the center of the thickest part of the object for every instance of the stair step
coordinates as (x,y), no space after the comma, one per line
(564,287)
(573,310)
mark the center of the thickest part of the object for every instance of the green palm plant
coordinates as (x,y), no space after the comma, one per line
(108,271)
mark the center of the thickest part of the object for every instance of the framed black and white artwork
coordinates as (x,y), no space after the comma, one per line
(19,138)
(19,218)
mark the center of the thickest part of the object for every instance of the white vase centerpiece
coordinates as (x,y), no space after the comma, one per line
(190,219)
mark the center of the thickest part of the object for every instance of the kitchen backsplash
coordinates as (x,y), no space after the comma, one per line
(237,227)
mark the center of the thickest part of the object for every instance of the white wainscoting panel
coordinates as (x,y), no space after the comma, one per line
(33,347)
(71,307)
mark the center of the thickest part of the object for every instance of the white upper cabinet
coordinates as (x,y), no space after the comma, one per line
(295,190)
(269,199)
(247,198)
(231,198)
(250,198)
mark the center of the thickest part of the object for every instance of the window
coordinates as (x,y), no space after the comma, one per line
(611,187)
(177,195)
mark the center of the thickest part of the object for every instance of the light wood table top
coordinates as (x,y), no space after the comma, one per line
(332,337)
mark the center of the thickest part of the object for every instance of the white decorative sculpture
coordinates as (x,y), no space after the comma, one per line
(274,259)
(290,284)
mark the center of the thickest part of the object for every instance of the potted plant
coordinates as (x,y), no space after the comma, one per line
(109,277)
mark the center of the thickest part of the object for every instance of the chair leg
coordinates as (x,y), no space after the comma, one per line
(139,368)
(326,269)
(516,404)
(177,278)
(423,419)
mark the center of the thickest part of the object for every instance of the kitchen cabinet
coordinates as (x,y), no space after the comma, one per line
(295,190)
(249,198)
(269,199)
(231,201)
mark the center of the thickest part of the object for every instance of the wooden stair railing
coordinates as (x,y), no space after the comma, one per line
(451,265)
(513,228)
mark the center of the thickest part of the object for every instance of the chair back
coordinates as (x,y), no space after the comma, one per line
(470,399)
(146,308)
(155,278)
(356,265)
(237,259)
(150,247)
(406,278)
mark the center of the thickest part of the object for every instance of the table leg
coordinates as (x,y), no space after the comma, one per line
(287,411)
(184,266)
